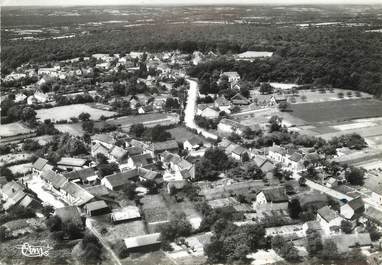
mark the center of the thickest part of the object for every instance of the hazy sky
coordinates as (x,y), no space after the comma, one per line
(180,2)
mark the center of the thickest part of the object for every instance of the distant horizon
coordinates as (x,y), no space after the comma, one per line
(74,3)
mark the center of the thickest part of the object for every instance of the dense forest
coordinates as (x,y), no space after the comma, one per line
(344,57)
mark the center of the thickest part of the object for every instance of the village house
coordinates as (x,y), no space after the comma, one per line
(329,220)
(85,175)
(238,152)
(233,77)
(264,164)
(12,193)
(292,160)
(194,143)
(159,147)
(207,111)
(177,166)
(272,195)
(105,139)
(120,179)
(74,194)
(53,180)
(353,209)
(125,214)
(223,104)
(71,163)
(346,242)
(239,100)
(20,97)
(143,242)
(39,165)
(312,199)
(142,160)
(96,208)
(227,126)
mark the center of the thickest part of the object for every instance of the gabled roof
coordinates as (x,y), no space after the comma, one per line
(296,157)
(134,150)
(240,99)
(166,145)
(71,161)
(97,205)
(239,150)
(122,178)
(118,152)
(277,194)
(106,138)
(194,140)
(312,197)
(40,163)
(141,241)
(81,195)
(142,160)
(222,101)
(57,180)
(126,213)
(327,214)
(277,149)
(356,204)
(100,148)
(82,174)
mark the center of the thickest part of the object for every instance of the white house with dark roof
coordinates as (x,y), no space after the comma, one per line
(177,166)
(329,220)
(223,104)
(39,165)
(75,194)
(272,195)
(194,143)
(233,77)
(353,209)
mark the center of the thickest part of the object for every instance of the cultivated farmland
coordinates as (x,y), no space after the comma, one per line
(337,111)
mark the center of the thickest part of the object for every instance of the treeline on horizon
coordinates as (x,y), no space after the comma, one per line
(342,57)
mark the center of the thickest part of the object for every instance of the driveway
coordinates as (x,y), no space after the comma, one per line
(190,110)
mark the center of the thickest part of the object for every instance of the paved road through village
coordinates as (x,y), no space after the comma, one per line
(189,112)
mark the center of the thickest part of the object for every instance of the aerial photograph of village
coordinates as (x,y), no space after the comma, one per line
(191,134)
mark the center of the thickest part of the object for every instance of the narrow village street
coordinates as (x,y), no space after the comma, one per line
(189,112)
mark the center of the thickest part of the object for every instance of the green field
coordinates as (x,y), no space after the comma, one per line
(66,112)
(337,111)
(14,128)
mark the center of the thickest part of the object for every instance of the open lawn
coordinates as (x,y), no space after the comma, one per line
(73,128)
(340,111)
(181,134)
(14,128)
(66,112)
(13,158)
(22,168)
(124,230)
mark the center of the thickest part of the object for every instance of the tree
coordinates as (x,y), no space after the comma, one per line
(88,126)
(355,176)
(84,116)
(130,190)
(54,223)
(314,243)
(303,98)
(7,173)
(177,227)
(275,123)
(28,115)
(107,169)
(101,159)
(329,250)
(137,130)
(340,94)
(215,251)
(284,106)
(266,88)
(294,208)
(47,211)
(346,227)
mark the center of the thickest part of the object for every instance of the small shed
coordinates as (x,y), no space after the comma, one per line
(97,208)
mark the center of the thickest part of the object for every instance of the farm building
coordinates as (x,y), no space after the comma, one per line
(83,175)
(142,243)
(118,180)
(129,213)
(97,208)
(71,163)
(159,147)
